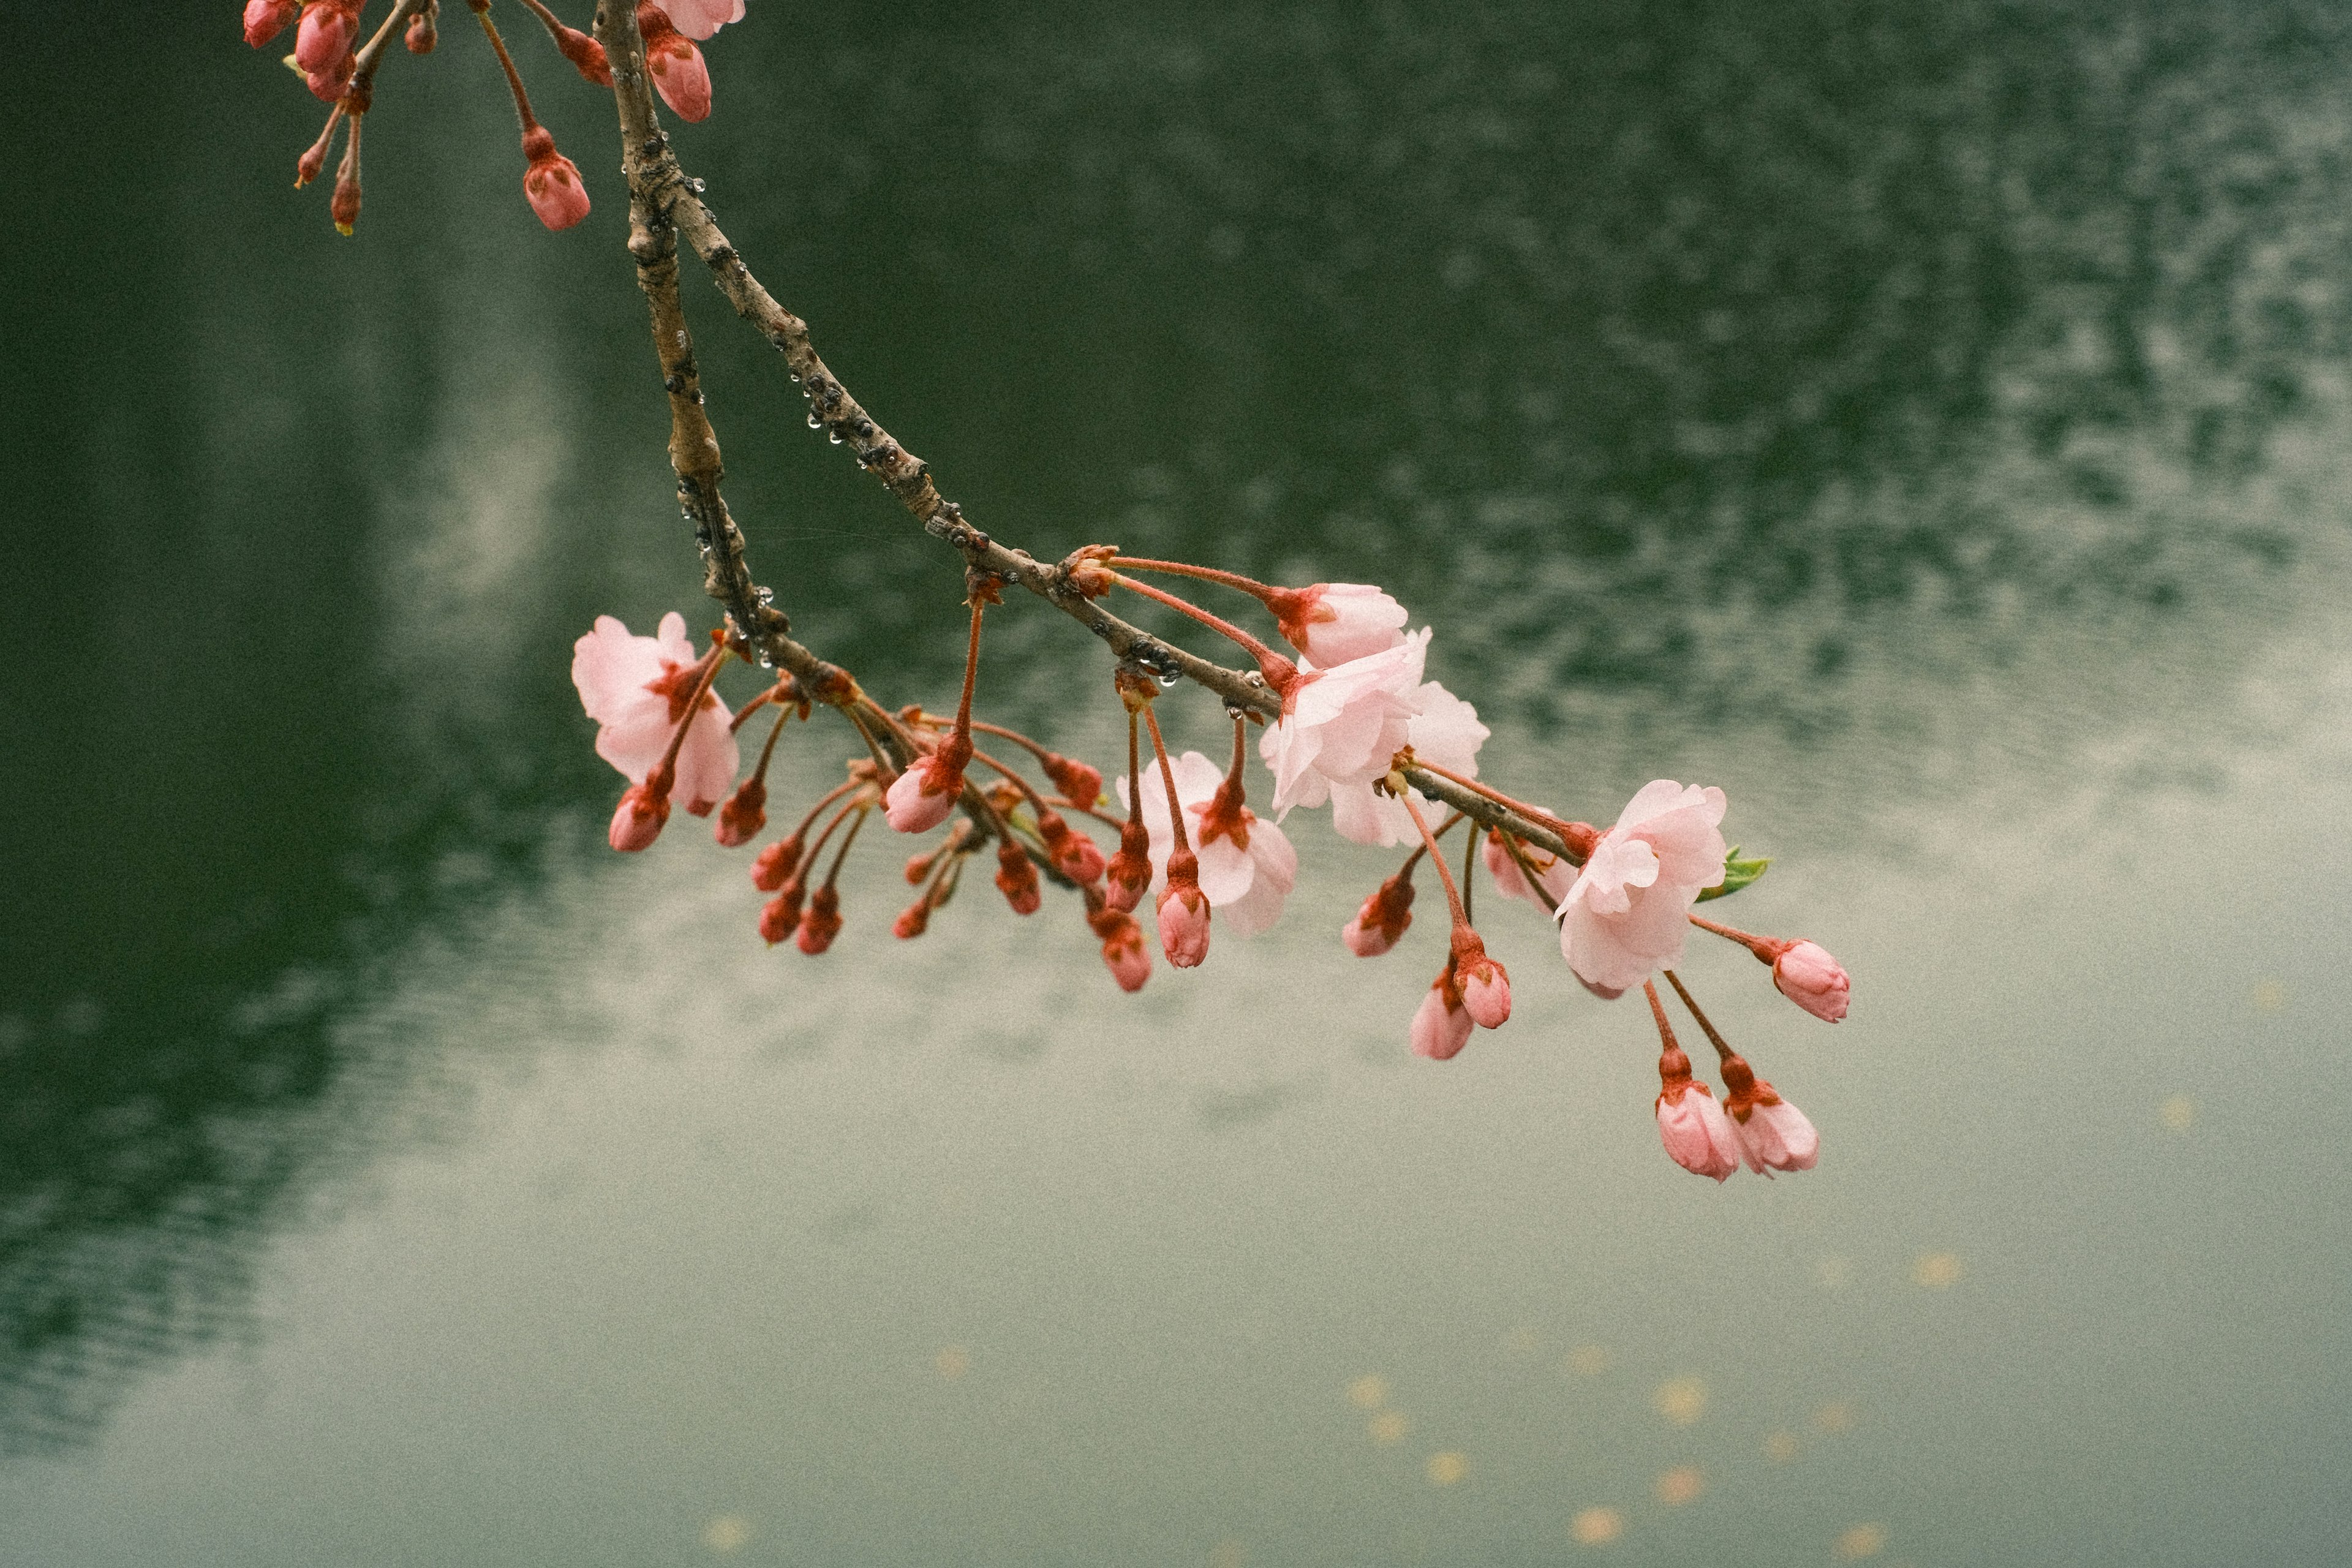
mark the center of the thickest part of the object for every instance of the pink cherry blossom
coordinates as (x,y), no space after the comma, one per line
(1332,622)
(1555,873)
(1695,1131)
(1246,882)
(1342,724)
(1810,977)
(636,688)
(700,18)
(1446,731)
(1441,1025)
(1623,918)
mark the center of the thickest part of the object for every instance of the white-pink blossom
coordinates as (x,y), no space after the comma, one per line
(1342,724)
(1332,622)
(637,688)
(1446,731)
(1807,976)
(698,19)
(1626,913)
(1246,883)
(1695,1131)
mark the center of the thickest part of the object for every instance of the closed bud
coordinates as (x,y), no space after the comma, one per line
(745,812)
(1384,918)
(913,921)
(679,74)
(1806,974)
(781,914)
(264,19)
(772,866)
(1129,871)
(822,923)
(1126,955)
(1441,1025)
(328,30)
(1016,878)
(638,820)
(550,181)
(1184,913)
(1080,784)
(422,32)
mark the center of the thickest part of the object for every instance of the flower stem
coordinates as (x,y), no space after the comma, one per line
(1279,672)
(514,78)
(1571,831)
(863,809)
(1166,777)
(1722,1047)
(1444,872)
(1256,590)
(1658,1011)
(1764,947)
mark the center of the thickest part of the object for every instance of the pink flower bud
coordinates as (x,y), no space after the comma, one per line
(586,55)
(1696,1132)
(1124,950)
(1129,871)
(1486,992)
(745,812)
(1382,920)
(923,795)
(328,31)
(1080,784)
(1441,1026)
(780,915)
(679,74)
(642,809)
(328,86)
(1016,878)
(422,33)
(1073,854)
(264,19)
(1774,1135)
(773,865)
(1807,976)
(1183,922)
(822,923)
(550,181)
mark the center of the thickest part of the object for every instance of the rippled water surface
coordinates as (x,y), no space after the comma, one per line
(1928,424)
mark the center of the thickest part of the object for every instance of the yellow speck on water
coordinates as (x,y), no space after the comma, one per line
(1680,1484)
(1862,1540)
(1522,1341)
(1836,1417)
(1447,1469)
(952,1361)
(1587,1360)
(2178,1113)
(726,1533)
(1369,1391)
(1833,1273)
(1388,1427)
(1780,1447)
(1227,1554)
(1596,1527)
(2269,996)
(1680,1400)
(1934,1270)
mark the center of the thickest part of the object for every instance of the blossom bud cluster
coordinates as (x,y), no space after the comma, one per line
(1360,729)
(340,71)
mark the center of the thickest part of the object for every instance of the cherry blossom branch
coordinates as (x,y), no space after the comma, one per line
(667,204)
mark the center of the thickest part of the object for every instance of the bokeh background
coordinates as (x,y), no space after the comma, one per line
(1928,422)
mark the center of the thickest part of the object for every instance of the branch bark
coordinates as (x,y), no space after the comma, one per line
(664,205)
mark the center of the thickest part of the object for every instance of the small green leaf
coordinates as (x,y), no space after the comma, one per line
(1737,873)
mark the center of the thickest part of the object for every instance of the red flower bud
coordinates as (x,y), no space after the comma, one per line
(264,19)
(772,866)
(1016,878)
(552,182)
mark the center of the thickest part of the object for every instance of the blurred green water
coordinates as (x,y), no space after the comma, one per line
(1927,428)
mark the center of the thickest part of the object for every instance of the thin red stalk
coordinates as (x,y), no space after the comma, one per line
(1444,872)
(1167,778)
(817,847)
(830,796)
(971,672)
(1758,945)
(864,810)
(1469,883)
(514,80)
(1658,1011)
(1060,804)
(1254,588)
(1257,649)
(760,773)
(1035,798)
(1722,1046)
(1134,773)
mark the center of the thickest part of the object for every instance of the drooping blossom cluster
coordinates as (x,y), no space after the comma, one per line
(1350,725)
(340,69)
